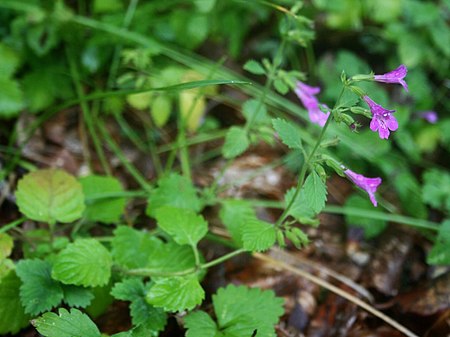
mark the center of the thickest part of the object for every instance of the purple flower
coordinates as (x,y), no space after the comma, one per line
(394,76)
(307,94)
(382,120)
(429,116)
(370,185)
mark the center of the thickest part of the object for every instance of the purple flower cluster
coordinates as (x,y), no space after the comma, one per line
(307,94)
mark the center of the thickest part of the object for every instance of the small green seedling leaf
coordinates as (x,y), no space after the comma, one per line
(38,292)
(258,235)
(200,324)
(184,225)
(288,133)
(254,67)
(99,206)
(236,142)
(50,196)
(66,324)
(12,314)
(176,293)
(173,190)
(86,262)
(6,245)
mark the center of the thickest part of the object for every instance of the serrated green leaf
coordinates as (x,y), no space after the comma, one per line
(50,195)
(75,296)
(12,314)
(132,248)
(105,210)
(6,245)
(372,227)
(288,133)
(231,305)
(128,289)
(176,293)
(315,192)
(235,214)
(173,190)
(258,235)
(86,262)
(254,67)
(38,292)
(436,189)
(254,111)
(236,142)
(299,209)
(171,258)
(200,324)
(66,324)
(184,225)
(11,98)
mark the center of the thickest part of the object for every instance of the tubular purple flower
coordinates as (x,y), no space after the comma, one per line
(394,76)
(306,94)
(429,116)
(382,120)
(369,185)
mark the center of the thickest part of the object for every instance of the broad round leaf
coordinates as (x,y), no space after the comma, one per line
(51,196)
(86,262)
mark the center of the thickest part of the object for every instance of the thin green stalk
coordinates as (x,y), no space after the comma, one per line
(86,113)
(12,225)
(118,152)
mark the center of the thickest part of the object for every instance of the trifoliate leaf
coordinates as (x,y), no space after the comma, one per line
(288,133)
(134,290)
(258,235)
(6,245)
(200,324)
(231,305)
(50,195)
(38,292)
(75,296)
(235,214)
(12,314)
(99,206)
(315,192)
(86,262)
(236,142)
(436,189)
(372,227)
(11,98)
(173,190)
(254,67)
(254,111)
(184,225)
(176,293)
(66,324)
(132,248)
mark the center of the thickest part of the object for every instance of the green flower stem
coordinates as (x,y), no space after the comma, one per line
(223,258)
(308,161)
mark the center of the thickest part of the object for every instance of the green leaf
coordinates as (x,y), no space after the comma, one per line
(66,324)
(12,314)
(105,210)
(200,324)
(236,142)
(280,86)
(372,227)
(231,305)
(133,290)
(38,292)
(288,133)
(11,98)
(184,225)
(254,67)
(176,293)
(436,189)
(132,248)
(50,195)
(171,258)
(6,245)
(235,214)
(160,109)
(75,296)
(299,209)
(409,192)
(258,235)
(440,253)
(9,61)
(86,262)
(255,111)
(315,192)
(173,190)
